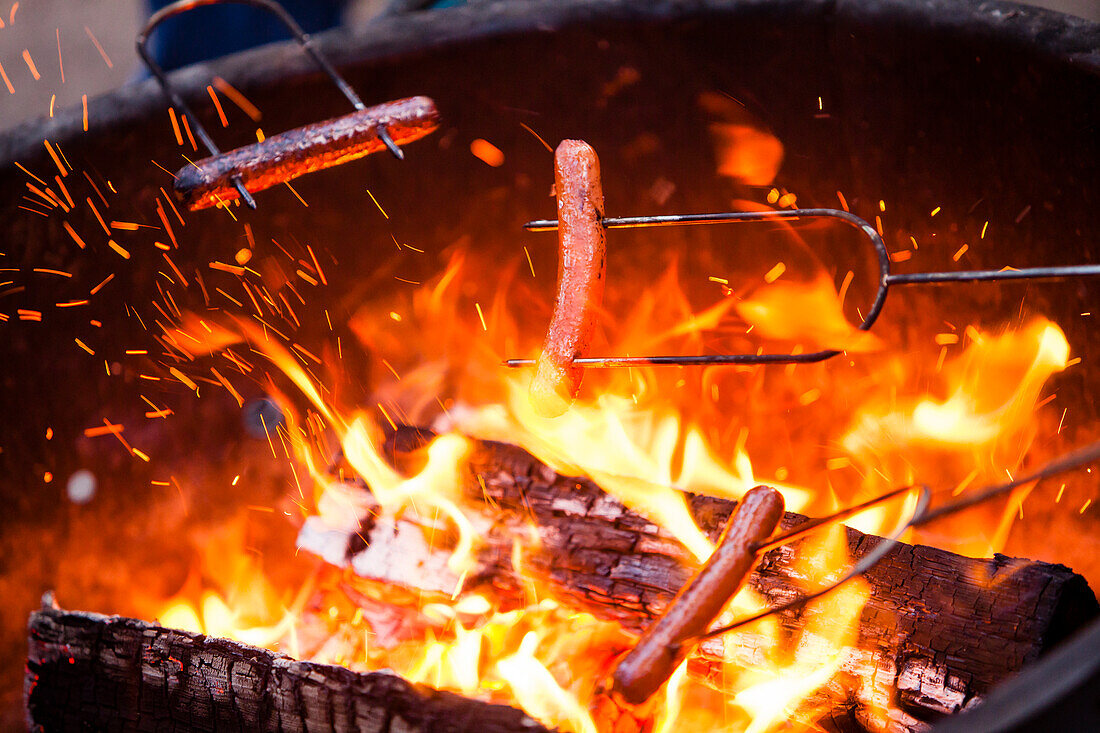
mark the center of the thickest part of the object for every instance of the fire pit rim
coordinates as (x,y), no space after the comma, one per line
(1064,38)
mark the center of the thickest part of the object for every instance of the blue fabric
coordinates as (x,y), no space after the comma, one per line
(210,32)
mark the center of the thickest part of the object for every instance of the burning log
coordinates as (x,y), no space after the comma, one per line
(92,672)
(938,631)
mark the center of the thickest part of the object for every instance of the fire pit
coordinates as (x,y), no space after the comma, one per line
(965,135)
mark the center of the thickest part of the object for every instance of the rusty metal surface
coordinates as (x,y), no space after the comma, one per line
(288,155)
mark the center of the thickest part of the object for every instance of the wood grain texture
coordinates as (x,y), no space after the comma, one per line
(106,673)
(938,631)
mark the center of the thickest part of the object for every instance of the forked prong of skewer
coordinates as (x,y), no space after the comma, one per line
(245,195)
(643,670)
(236,181)
(886,279)
(812,525)
(384,136)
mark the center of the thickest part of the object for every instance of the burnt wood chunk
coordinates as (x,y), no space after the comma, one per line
(91,672)
(288,155)
(938,631)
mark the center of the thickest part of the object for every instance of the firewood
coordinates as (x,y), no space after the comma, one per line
(91,672)
(938,631)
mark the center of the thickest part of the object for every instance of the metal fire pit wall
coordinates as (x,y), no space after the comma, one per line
(988,110)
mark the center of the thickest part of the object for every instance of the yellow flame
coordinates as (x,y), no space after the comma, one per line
(805,313)
(976,436)
(646,436)
(180,615)
(772,694)
(667,720)
(539,693)
(991,396)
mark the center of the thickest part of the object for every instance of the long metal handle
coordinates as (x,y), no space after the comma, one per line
(287,20)
(886,279)
(922,514)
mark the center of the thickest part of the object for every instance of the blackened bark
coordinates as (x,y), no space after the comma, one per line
(91,672)
(938,631)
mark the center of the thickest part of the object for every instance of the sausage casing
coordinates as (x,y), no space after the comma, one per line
(582,256)
(663,647)
(284,157)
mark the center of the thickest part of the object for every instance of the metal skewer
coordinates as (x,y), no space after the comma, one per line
(886,279)
(300,36)
(922,514)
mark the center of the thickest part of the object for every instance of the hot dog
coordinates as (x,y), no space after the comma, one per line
(284,157)
(663,647)
(582,259)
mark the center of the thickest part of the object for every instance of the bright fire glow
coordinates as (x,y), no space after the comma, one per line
(826,435)
(646,436)
(953,405)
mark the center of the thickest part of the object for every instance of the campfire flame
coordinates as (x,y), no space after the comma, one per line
(646,436)
(825,435)
(888,412)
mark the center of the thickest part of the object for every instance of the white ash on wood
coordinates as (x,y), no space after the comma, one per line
(938,631)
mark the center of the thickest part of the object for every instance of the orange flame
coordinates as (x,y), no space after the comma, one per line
(647,436)
(646,440)
(806,313)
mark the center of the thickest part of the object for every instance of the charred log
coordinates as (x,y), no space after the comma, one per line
(92,672)
(938,631)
